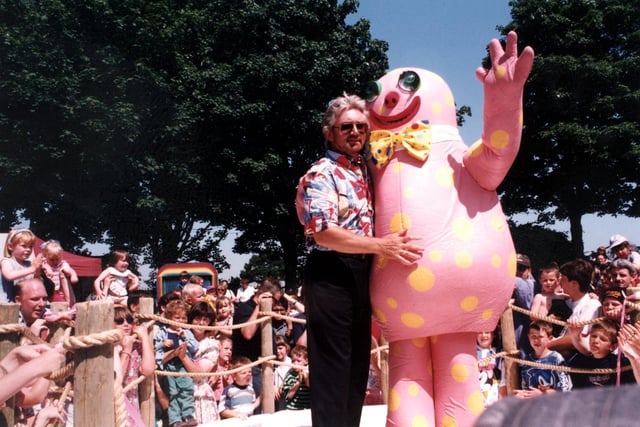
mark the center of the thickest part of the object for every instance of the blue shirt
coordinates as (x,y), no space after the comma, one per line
(163,334)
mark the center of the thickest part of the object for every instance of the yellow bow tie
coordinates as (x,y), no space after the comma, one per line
(416,139)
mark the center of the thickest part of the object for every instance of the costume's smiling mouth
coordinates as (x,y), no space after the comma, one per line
(402,118)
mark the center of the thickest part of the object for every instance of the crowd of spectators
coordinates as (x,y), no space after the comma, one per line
(590,295)
(576,291)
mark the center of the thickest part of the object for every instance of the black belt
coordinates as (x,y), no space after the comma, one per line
(361,257)
(354,256)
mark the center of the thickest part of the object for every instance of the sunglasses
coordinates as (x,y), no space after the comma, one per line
(347,127)
(120,320)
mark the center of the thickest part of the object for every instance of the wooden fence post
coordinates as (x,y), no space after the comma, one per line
(57,330)
(93,403)
(146,389)
(8,316)
(268,395)
(511,370)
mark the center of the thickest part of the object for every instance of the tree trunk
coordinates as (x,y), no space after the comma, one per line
(577,242)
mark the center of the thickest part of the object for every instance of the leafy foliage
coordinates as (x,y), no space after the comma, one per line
(159,126)
(581,140)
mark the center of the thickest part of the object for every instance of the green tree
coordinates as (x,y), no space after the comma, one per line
(159,126)
(581,140)
(263,266)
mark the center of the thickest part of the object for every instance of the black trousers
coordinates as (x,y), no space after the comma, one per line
(338,309)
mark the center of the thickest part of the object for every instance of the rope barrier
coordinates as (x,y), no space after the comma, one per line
(115,335)
(553,320)
(93,340)
(260,361)
(204,328)
(282,316)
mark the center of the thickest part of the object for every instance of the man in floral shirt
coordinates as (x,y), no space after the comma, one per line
(335,207)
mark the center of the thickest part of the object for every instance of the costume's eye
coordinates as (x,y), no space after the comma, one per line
(409,81)
(371,91)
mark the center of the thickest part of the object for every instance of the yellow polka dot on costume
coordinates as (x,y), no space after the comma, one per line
(475,403)
(412,320)
(460,373)
(379,314)
(433,339)
(399,222)
(496,261)
(476,148)
(419,421)
(421,279)
(487,314)
(501,70)
(449,421)
(499,139)
(436,107)
(409,193)
(469,303)
(394,400)
(444,177)
(382,262)
(435,256)
(397,167)
(392,302)
(463,228)
(521,118)
(419,342)
(449,99)
(413,390)
(498,223)
(464,259)
(511,264)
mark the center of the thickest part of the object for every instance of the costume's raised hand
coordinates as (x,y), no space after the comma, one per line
(505,80)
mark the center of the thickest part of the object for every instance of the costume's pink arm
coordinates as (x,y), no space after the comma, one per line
(489,159)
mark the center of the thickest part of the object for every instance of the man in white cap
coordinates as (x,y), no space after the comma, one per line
(622,249)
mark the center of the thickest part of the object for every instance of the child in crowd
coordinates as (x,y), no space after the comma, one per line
(219,382)
(201,314)
(239,400)
(222,290)
(116,281)
(173,345)
(16,265)
(612,304)
(224,316)
(549,278)
(603,341)
(373,395)
(59,272)
(281,326)
(536,381)
(296,383)
(192,293)
(132,357)
(210,296)
(280,371)
(490,372)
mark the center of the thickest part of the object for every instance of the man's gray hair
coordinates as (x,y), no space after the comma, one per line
(338,105)
(623,263)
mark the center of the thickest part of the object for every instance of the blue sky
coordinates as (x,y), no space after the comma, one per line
(449,37)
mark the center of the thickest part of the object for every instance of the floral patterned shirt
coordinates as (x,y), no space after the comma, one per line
(335,192)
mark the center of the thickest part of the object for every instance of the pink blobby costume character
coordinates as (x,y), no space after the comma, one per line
(428,181)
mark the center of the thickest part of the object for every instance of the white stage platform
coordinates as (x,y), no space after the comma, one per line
(372,416)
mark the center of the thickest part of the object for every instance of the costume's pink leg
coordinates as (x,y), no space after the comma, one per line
(458,399)
(410,384)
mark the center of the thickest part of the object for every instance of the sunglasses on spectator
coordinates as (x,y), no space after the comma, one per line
(120,320)
(346,127)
